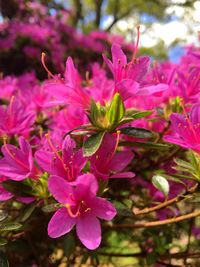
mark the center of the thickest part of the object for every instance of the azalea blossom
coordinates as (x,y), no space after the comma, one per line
(68,164)
(185,129)
(107,163)
(81,207)
(129,77)
(17,163)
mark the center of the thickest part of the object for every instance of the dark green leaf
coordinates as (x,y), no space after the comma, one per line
(116,110)
(148,145)
(125,212)
(94,113)
(3,260)
(3,215)
(125,120)
(27,212)
(136,132)
(92,144)
(161,184)
(85,258)
(134,114)
(16,187)
(10,226)
(69,245)
(51,207)
(3,241)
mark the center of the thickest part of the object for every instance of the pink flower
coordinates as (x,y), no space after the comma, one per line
(186,129)
(17,163)
(67,165)
(15,119)
(68,89)
(130,77)
(4,194)
(81,207)
(107,163)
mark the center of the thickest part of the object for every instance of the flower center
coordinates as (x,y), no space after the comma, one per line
(80,209)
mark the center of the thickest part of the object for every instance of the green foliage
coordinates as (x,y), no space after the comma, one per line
(92,144)
(161,184)
(116,111)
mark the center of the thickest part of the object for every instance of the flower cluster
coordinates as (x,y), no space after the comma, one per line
(127,131)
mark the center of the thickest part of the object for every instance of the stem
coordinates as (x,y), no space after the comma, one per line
(166,203)
(157,223)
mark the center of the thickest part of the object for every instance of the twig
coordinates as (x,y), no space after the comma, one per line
(157,223)
(166,203)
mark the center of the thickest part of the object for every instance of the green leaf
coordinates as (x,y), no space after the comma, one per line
(69,245)
(92,144)
(94,113)
(16,187)
(148,145)
(116,110)
(10,226)
(27,212)
(51,207)
(125,120)
(85,257)
(3,241)
(3,215)
(135,114)
(3,260)
(125,212)
(136,132)
(161,184)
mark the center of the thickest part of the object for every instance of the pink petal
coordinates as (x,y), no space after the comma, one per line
(103,209)
(121,160)
(61,223)
(4,194)
(44,159)
(86,183)
(59,188)
(195,114)
(88,230)
(118,56)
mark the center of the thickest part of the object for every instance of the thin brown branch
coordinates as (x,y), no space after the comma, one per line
(166,203)
(157,223)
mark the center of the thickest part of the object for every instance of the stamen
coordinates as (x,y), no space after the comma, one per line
(88,209)
(71,214)
(112,154)
(191,126)
(137,43)
(45,66)
(11,104)
(155,64)
(53,147)
(70,174)
(12,155)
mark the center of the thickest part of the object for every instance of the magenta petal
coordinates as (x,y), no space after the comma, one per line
(195,114)
(103,209)
(87,183)
(59,188)
(127,88)
(44,159)
(109,63)
(61,223)
(121,160)
(118,56)
(88,230)
(4,194)
(123,175)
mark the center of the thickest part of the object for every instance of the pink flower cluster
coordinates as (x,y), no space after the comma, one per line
(44,127)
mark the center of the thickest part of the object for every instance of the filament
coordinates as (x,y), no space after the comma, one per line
(45,66)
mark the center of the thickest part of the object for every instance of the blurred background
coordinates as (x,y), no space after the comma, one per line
(166,25)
